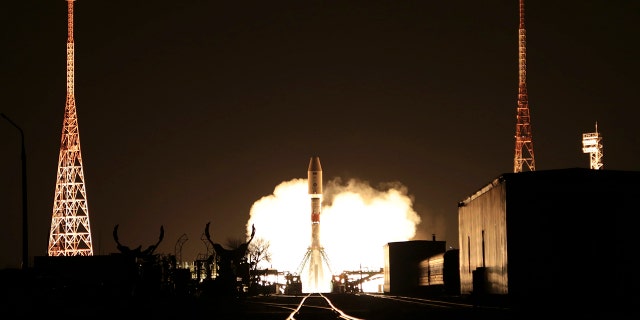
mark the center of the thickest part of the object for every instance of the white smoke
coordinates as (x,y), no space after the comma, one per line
(356,221)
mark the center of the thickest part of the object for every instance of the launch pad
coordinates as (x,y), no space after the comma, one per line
(317,279)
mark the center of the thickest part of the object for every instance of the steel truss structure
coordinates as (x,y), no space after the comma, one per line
(592,144)
(70,233)
(524,139)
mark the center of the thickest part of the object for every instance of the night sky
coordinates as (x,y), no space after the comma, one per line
(191,111)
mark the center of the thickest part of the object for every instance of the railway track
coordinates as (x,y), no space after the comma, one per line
(318,306)
(425,302)
(363,307)
(309,306)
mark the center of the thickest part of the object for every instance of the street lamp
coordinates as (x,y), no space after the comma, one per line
(25,237)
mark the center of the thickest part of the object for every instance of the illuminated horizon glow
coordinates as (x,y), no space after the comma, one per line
(357,220)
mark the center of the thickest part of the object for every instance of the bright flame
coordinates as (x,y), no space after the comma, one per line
(356,221)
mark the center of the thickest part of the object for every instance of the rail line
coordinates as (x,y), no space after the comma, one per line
(425,302)
(315,304)
(367,306)
(295,307)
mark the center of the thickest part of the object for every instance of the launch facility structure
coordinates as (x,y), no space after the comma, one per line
(592,144)
(70,232)
(317,280)
(524,135)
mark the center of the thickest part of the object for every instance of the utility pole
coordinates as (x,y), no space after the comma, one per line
(25,229)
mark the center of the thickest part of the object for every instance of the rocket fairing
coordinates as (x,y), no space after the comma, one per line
(315,176)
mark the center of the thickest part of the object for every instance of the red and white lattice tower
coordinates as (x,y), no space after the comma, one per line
(70,233)
(524,140)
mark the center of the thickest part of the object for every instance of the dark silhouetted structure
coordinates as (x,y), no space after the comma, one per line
(137,252)
(440,274)
(402,264)
(546,235)
(231,266)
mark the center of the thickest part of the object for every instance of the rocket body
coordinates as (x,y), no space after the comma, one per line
(314,176)
(316,273)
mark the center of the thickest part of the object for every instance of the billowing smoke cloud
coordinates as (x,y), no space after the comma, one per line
(356,221)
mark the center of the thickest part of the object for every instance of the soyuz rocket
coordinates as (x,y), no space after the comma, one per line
(314,176)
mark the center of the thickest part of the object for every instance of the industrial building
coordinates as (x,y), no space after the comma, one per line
(402,264)
(551,235)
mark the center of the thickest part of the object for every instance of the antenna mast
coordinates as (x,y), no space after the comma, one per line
(524,140)
(70,233)
(591,143)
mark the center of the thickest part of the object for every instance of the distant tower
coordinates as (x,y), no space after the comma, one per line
(70,233)
(317,280)
(524,140)
(591,143)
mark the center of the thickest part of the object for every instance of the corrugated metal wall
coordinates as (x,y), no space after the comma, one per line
(482,236)
(402,264)
(546,235)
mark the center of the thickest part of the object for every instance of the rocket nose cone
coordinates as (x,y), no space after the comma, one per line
(314,164)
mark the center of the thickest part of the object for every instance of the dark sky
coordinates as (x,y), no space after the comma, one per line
(190,111)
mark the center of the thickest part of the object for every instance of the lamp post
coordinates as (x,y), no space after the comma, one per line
(25,237)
